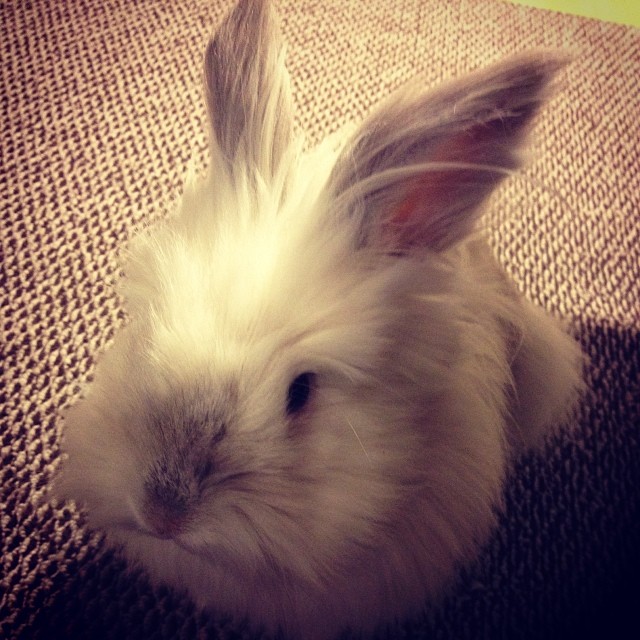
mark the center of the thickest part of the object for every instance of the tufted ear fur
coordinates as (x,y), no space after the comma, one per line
(419,168)
(247,90)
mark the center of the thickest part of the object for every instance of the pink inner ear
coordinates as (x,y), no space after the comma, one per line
(408,224)
(417,217)
(435,208)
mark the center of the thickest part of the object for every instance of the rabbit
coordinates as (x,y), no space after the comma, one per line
(307,421)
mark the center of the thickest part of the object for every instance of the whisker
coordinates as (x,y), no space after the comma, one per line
(355,433)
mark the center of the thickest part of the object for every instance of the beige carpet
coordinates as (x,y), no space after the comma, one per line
(101,113)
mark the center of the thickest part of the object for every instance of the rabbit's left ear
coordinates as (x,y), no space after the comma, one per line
(247,90)
(420,167)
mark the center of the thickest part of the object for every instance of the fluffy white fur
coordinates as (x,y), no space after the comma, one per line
(358,264)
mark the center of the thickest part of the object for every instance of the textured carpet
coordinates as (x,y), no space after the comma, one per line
(102,113)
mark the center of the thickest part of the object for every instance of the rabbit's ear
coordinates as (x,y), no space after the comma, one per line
(418,170)
(247,90)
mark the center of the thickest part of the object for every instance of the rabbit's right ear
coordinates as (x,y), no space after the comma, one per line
(247,90)
(420,167)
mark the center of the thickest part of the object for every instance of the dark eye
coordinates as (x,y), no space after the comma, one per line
(299,392)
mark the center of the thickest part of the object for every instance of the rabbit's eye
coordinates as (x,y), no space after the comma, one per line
(299,392)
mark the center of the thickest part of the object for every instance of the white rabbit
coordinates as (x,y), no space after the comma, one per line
(308,419)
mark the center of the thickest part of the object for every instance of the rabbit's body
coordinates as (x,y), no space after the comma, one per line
(310,415)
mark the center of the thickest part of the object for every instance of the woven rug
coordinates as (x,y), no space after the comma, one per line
(102,114)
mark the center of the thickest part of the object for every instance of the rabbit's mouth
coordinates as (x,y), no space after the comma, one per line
(176,537)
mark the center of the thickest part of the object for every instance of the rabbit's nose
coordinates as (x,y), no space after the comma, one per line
(167,504)
(165,524)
